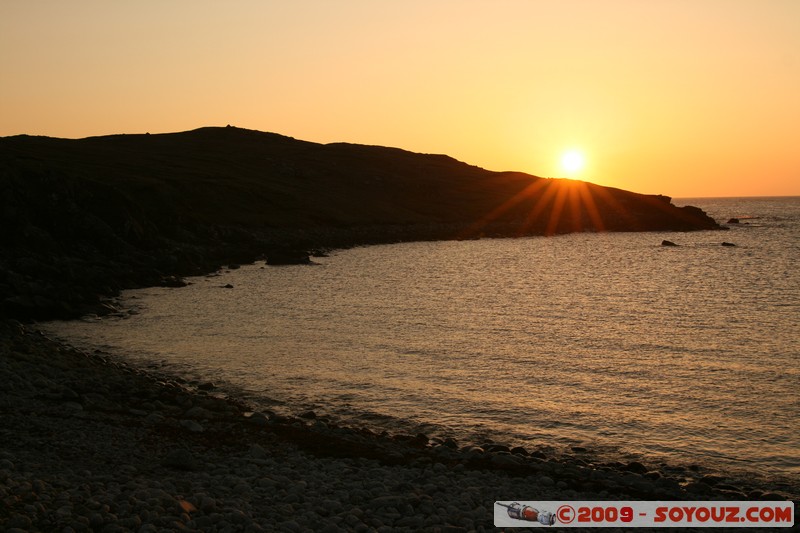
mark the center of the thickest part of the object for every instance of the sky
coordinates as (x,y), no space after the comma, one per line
(677,97)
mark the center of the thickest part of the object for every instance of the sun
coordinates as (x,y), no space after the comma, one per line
(572,162)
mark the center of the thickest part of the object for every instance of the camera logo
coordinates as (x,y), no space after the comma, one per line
(529,514)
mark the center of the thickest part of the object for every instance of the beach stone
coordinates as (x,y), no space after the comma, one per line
(453,529)
(330,528)
(257,452)
(154,418)
(290,525)
(192,426)
(98,402)
(69,394)
(352,520)
(19,521)
(180,459)
(505,460)
(390,500)
(697,488)
(199,413)
(472,452)
(258,419)
(545,481)
(450,443)
(636,467)
(711,479)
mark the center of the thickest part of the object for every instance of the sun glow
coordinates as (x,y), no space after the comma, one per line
(572,162)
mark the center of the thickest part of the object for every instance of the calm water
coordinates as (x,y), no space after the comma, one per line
(609,341)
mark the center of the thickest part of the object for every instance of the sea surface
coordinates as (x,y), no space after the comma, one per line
(682,355)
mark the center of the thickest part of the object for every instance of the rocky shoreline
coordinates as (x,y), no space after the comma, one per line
(89,443)
(84,219)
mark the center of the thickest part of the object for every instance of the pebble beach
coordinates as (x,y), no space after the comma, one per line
(89,443)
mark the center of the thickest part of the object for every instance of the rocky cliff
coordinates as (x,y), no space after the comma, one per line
(82,219)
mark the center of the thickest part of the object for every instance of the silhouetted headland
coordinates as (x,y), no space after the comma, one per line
(83,219)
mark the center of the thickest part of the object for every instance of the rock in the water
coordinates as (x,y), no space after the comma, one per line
(733,221)
(668,243)
(728,244)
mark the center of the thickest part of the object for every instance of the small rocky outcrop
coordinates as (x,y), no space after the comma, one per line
(288,256)
(668,243)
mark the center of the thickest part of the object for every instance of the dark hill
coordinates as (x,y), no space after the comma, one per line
(85,218)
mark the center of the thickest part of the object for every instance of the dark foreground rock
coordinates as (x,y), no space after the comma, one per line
(91,444)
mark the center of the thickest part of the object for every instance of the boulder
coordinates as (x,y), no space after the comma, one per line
(728,244)
(668,243)
(733,221)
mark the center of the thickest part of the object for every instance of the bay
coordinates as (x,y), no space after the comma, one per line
(685,355)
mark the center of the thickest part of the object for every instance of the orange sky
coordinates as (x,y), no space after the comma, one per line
(677,97)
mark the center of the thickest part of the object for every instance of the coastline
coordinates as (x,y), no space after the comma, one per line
(86,219)
(90,443)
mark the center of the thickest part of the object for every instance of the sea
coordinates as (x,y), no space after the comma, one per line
(610,342)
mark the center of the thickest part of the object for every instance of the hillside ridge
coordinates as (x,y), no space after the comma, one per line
(84,218)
